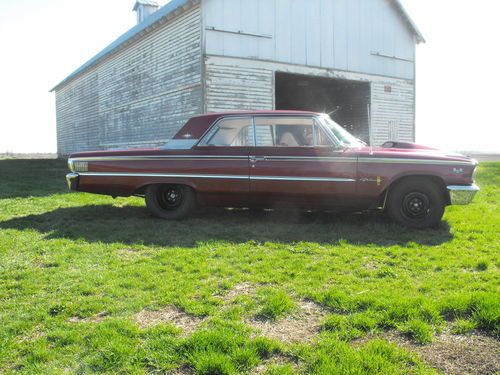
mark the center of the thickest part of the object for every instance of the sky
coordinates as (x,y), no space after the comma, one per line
(458,80)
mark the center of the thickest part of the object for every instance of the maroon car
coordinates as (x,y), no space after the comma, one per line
(277,158)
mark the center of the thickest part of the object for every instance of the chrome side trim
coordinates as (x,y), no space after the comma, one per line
(165,175)
(339,159)
(160,157)
(462,195)
(305,179)
(221,177)
(413,161)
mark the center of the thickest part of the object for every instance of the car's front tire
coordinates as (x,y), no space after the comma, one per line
(171,202)
(416,203)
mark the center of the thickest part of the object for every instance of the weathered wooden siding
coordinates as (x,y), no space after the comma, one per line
(77,107)
(138,97)
(393,111)
(231,86)
(365,36)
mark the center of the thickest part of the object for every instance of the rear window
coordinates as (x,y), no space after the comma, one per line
(230,132)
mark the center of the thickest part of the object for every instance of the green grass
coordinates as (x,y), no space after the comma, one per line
(75,256)
(275,304)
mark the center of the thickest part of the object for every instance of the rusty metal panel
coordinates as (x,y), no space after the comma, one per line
(140,96)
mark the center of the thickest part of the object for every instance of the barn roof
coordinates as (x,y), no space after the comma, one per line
(171,9)
(413,27)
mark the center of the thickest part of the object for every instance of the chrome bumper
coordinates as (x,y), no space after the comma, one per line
(462,194)
(72,180)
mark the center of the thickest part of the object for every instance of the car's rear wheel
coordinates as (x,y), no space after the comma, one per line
(416,203)
(170,202)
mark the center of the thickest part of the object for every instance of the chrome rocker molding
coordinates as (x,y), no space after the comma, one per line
(462,195)
(221,177)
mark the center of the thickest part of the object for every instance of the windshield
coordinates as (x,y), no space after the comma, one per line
(343,137)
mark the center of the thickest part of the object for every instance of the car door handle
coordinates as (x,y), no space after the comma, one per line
(255,159)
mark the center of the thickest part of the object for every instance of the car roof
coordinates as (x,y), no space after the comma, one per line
(257,112)
(198,125)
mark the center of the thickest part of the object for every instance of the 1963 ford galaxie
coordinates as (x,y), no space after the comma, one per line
(270,158)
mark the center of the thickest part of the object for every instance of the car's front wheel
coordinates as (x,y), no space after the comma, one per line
(416,203)
(170,202)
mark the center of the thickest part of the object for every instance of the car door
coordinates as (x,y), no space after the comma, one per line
(296,162)
(222,162)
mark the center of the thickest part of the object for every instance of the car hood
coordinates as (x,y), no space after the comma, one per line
(412,151)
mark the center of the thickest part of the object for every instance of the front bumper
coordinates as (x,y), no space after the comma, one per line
(72,180)
(461,195)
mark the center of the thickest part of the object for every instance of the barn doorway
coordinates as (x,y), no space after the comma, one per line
(347,102)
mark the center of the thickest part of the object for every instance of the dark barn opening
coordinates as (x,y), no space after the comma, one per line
(347,102)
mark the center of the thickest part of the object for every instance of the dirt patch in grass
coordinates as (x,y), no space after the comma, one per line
(279,360)
(473,353)
(302,326)
(93,319)
(129,254)
(169,315)
(459,354)
(181,371)
(244,289)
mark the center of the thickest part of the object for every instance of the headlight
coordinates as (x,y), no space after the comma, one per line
(78,166)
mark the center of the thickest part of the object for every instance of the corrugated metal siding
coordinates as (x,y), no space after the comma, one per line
(140,96)
(393,113)
(231,86)
(366,36)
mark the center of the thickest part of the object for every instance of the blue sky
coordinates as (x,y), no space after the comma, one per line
(457,69)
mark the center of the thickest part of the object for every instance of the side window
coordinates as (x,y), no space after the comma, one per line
(230,132)
(284,131)
(322,140)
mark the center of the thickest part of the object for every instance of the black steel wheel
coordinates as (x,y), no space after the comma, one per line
(416,203)
(170,201)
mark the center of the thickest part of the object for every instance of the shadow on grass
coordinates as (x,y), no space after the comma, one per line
(134,225)
(32,178)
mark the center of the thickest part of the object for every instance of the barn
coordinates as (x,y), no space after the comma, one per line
(353,59)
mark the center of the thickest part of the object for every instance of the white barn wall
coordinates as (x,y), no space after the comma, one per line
(365,36)
(139,96)
(393,113)
(233,84)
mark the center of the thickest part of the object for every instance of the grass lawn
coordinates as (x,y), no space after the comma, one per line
(91,284)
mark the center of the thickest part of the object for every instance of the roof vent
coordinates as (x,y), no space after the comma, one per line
(144,9)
